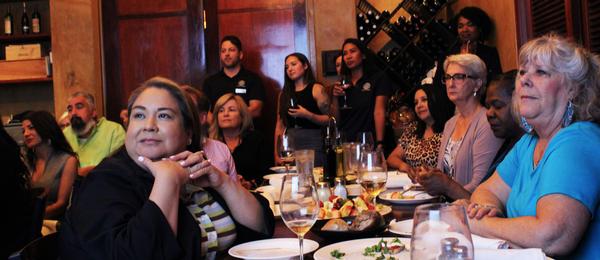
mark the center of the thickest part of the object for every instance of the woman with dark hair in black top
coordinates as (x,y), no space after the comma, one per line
(367,97)
(303,107)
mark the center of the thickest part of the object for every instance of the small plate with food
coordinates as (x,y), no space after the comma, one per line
(406,197)
(368,248)
(367,223)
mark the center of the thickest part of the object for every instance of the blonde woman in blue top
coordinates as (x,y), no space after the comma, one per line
(548,185)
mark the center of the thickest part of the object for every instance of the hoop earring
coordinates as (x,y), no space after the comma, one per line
(526,126)
(568,116)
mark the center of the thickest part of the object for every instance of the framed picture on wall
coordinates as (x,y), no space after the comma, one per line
(328,60)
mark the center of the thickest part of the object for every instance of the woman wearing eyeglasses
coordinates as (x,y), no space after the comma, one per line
(468,144)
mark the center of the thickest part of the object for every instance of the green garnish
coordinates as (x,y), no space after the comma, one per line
(380,248)
(337,254)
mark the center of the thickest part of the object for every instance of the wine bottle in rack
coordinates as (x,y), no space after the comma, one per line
(8,22)
(35,21)
(25,29)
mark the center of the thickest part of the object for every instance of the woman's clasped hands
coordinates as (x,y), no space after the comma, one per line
(186,167)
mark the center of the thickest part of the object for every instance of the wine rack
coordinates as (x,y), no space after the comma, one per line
(416,40)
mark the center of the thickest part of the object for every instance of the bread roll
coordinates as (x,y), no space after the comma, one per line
(335,224)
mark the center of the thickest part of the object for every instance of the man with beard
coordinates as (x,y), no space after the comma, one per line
(234,78)
(91,138)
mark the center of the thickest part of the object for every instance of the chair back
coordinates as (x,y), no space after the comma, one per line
(43,248)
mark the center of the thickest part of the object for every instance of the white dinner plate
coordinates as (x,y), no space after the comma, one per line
(403,227)
(397,179)
(420,197)
(354,249)
(281,169)
(277,248)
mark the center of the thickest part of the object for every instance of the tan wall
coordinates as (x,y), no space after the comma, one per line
(76,51)
(334,21)
(503,15)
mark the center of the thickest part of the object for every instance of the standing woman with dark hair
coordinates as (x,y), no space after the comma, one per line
(420,147)
(367,97)
(303,107)
(53,162)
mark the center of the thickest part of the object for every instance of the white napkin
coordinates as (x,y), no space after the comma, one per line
(397,179)
(495,254)
(488,243)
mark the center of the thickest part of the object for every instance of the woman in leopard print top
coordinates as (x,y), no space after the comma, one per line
(420,147)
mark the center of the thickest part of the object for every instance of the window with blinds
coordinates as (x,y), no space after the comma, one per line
(548,16)
(593,25)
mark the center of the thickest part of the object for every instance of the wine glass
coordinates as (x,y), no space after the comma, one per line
(346,83)
(441,231)
(351,153)
(299,204)
(372,173)
(285,146)
(365,139)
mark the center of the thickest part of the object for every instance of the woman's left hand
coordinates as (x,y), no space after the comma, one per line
(201,172)
(299,112)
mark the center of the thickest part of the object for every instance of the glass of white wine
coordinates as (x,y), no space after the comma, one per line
(299,204)
(285,146)
(372,173)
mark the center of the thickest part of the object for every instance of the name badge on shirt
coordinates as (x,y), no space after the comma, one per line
(240,91)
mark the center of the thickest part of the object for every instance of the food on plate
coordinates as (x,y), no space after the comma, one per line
(398,195)
(337,207)
(383,248)
(337,254)
(366,220)
(336,224)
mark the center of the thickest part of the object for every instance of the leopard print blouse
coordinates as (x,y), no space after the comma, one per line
(420,151)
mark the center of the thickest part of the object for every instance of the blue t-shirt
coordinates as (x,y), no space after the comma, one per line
(570,166)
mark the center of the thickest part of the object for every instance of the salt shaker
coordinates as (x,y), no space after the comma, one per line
(340,189)
(323,191)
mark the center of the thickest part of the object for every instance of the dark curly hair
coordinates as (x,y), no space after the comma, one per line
(477,17)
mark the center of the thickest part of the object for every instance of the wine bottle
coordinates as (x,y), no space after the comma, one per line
(25,20)
(8,22)
(36,21)
(329,146)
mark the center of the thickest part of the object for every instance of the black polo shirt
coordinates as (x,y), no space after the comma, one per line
(246,84)
(361,98)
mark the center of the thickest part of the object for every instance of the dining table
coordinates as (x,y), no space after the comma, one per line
(399,212)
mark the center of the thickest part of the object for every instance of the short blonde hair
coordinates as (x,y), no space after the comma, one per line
(215,131)
(579,70)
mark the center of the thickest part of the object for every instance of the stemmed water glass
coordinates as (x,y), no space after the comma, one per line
(365,139)
(441,231)
(372,173)
(346,83)
(285,146)
(299,204)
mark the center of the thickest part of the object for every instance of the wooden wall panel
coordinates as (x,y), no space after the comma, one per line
(130,7)
(153,47)
(232,5)
(76,51)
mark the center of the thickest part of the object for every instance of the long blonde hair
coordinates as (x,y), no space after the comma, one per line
(215,131)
